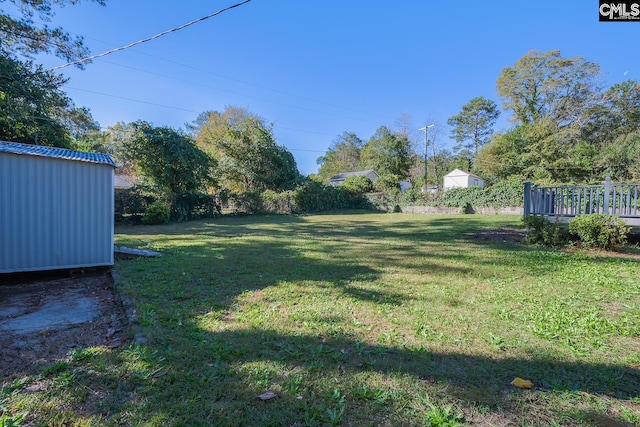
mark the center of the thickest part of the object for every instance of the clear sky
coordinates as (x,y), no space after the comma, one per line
(317,68)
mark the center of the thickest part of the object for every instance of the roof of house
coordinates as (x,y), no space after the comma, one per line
(457,172)
(344,175)
(124,182)
(54,152)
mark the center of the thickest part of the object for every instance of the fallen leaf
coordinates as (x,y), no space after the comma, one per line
(268,395)
(160,373)
(520,383)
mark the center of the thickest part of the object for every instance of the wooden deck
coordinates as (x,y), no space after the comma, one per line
(563,202)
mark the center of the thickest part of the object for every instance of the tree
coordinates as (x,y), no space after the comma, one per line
(358,184)
(387,153)
(32,104)
(170,158)
(546,85)
(34,109)
(617,114)
(247,155)
(22,36)
(473,126)
(342,156)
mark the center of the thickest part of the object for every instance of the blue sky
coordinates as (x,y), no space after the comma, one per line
(316,68)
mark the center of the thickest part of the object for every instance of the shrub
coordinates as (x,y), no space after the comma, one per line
(156,213)
(130,204)
(279,203)
(541,231)
(599,231)
(466,209)
(357,184)
(458,197)
(194,205)
(386,183)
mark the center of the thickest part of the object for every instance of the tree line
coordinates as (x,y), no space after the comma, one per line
(566,127)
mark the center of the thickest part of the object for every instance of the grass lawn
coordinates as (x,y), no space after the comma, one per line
(355,319)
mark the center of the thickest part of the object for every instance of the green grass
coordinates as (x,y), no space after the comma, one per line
(355,319)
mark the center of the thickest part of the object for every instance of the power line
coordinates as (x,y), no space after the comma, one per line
(153,73)
(195,21)
(184,109)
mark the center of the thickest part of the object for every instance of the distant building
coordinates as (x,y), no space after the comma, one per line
(404,186)
(458,178)
(123,182)
(339,179)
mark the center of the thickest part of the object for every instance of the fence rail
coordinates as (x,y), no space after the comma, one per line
(573,200)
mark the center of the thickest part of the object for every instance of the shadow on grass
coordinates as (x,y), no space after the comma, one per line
(190,375)
(214,378)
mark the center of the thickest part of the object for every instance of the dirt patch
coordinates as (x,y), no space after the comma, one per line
(502,235)
(40,322)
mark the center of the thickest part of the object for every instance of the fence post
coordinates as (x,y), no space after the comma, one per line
(607,188)
(527,198)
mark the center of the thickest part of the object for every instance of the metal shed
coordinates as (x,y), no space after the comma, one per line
(56,208)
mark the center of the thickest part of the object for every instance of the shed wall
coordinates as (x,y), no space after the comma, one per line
(54,213)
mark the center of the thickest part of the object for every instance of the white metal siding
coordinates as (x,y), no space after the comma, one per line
(54,213)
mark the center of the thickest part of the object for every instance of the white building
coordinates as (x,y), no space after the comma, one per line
(458,178)
(56,208)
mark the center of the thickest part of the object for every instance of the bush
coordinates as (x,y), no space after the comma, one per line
(541,231)
(156,213)
(466,209)
(358,184)
(130,204)
(459,197)
(279,203)
(599,231)
(194,205)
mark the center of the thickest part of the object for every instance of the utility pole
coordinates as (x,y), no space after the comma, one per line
(426,145)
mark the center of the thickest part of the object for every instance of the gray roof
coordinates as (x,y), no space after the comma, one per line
(124,182)
(345,175)
(54,152)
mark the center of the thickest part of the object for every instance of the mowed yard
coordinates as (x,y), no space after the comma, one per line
(358,319)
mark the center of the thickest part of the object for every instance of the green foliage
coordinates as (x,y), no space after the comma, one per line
(156,213)
(130,204)
(248,158)
(22,35)
(466,209)
(446,416)
(12,421)
(567,129)
(509,192)
(546,85)
(473,195)
(169,158)
(343,155)
(274,202)
(194,205)
(316,197)
(31,103)
(357,184)
(599,231)
(246,202)
(541,231)
(387,153)
(387,183)
(474,124)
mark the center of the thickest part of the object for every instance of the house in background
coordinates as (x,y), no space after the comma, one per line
(339,179)
(458,178)
(123,182)
(56,208)
(404,186)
